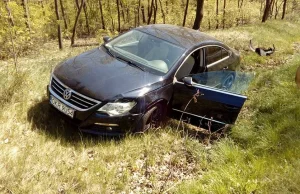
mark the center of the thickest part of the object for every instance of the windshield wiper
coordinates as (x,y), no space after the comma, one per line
(130,63)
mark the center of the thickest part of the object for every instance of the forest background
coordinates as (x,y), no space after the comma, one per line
(29,23)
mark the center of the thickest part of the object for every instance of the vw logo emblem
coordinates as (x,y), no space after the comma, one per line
(67,94)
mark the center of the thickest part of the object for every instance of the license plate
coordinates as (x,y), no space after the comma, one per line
(62,107)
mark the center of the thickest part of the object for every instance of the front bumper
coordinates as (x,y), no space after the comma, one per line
(91,121)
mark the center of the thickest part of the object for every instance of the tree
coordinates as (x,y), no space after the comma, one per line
(199,14)
(119,19)
(11,32)
(58,25)
(224,12)
(122,10)
(277,7)
(185,12)
(101,14)
(150,12)
(10,17)
(76,21)
(267,10)
(155,11)
(143,14)
(63,13)
(240,3)
(283,9)
(162,12)
(138,13)
(111,17)
(87,24)
(26,14)
(217,13)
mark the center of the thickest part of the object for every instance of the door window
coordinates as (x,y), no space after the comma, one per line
(194,64)
(200,60)
(214,54)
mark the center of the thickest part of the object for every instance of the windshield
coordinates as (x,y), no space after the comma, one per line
(146,50)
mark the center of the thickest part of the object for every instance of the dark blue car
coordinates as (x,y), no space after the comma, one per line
(133,81)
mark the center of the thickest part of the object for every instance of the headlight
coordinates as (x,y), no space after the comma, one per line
(117,108)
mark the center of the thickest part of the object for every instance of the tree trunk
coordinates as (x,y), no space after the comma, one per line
(119,19)
(272,8)
(240,3)
(138,13)
(155,11)
(63,14)
(224,13)
(277,7)
(76,21)
(150,12)
(128,14)
(148,8)
(12,33)
(185,12)
(162,12)
(86,18)
(143,14)
(217,14)
(26,14)
(283,9)
(101,14)
(135,17)
(209,25)
(10,17)
(267,10)
(122,10)
(110,15)
(199,14)
(58,25)
(77,4)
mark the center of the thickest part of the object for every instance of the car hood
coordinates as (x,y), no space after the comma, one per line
(98,75)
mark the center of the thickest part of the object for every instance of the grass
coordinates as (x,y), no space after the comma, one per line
(41,153)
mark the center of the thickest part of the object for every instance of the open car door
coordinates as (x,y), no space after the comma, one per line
(210,98)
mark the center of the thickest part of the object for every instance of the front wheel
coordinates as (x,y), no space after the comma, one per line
(151,119)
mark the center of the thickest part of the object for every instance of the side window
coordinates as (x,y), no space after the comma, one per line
(194,64)
(214,54)
(225,53)
(185,68)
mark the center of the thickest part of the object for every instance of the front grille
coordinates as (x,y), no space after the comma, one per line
(78,101)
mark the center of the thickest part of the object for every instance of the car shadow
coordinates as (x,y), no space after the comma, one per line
(48,121)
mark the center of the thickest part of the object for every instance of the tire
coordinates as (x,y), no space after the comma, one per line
(151,119)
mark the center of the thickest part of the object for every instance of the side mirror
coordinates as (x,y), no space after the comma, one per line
(188,81)
(106,38)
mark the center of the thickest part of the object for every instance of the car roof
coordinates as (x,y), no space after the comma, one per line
(181,36)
